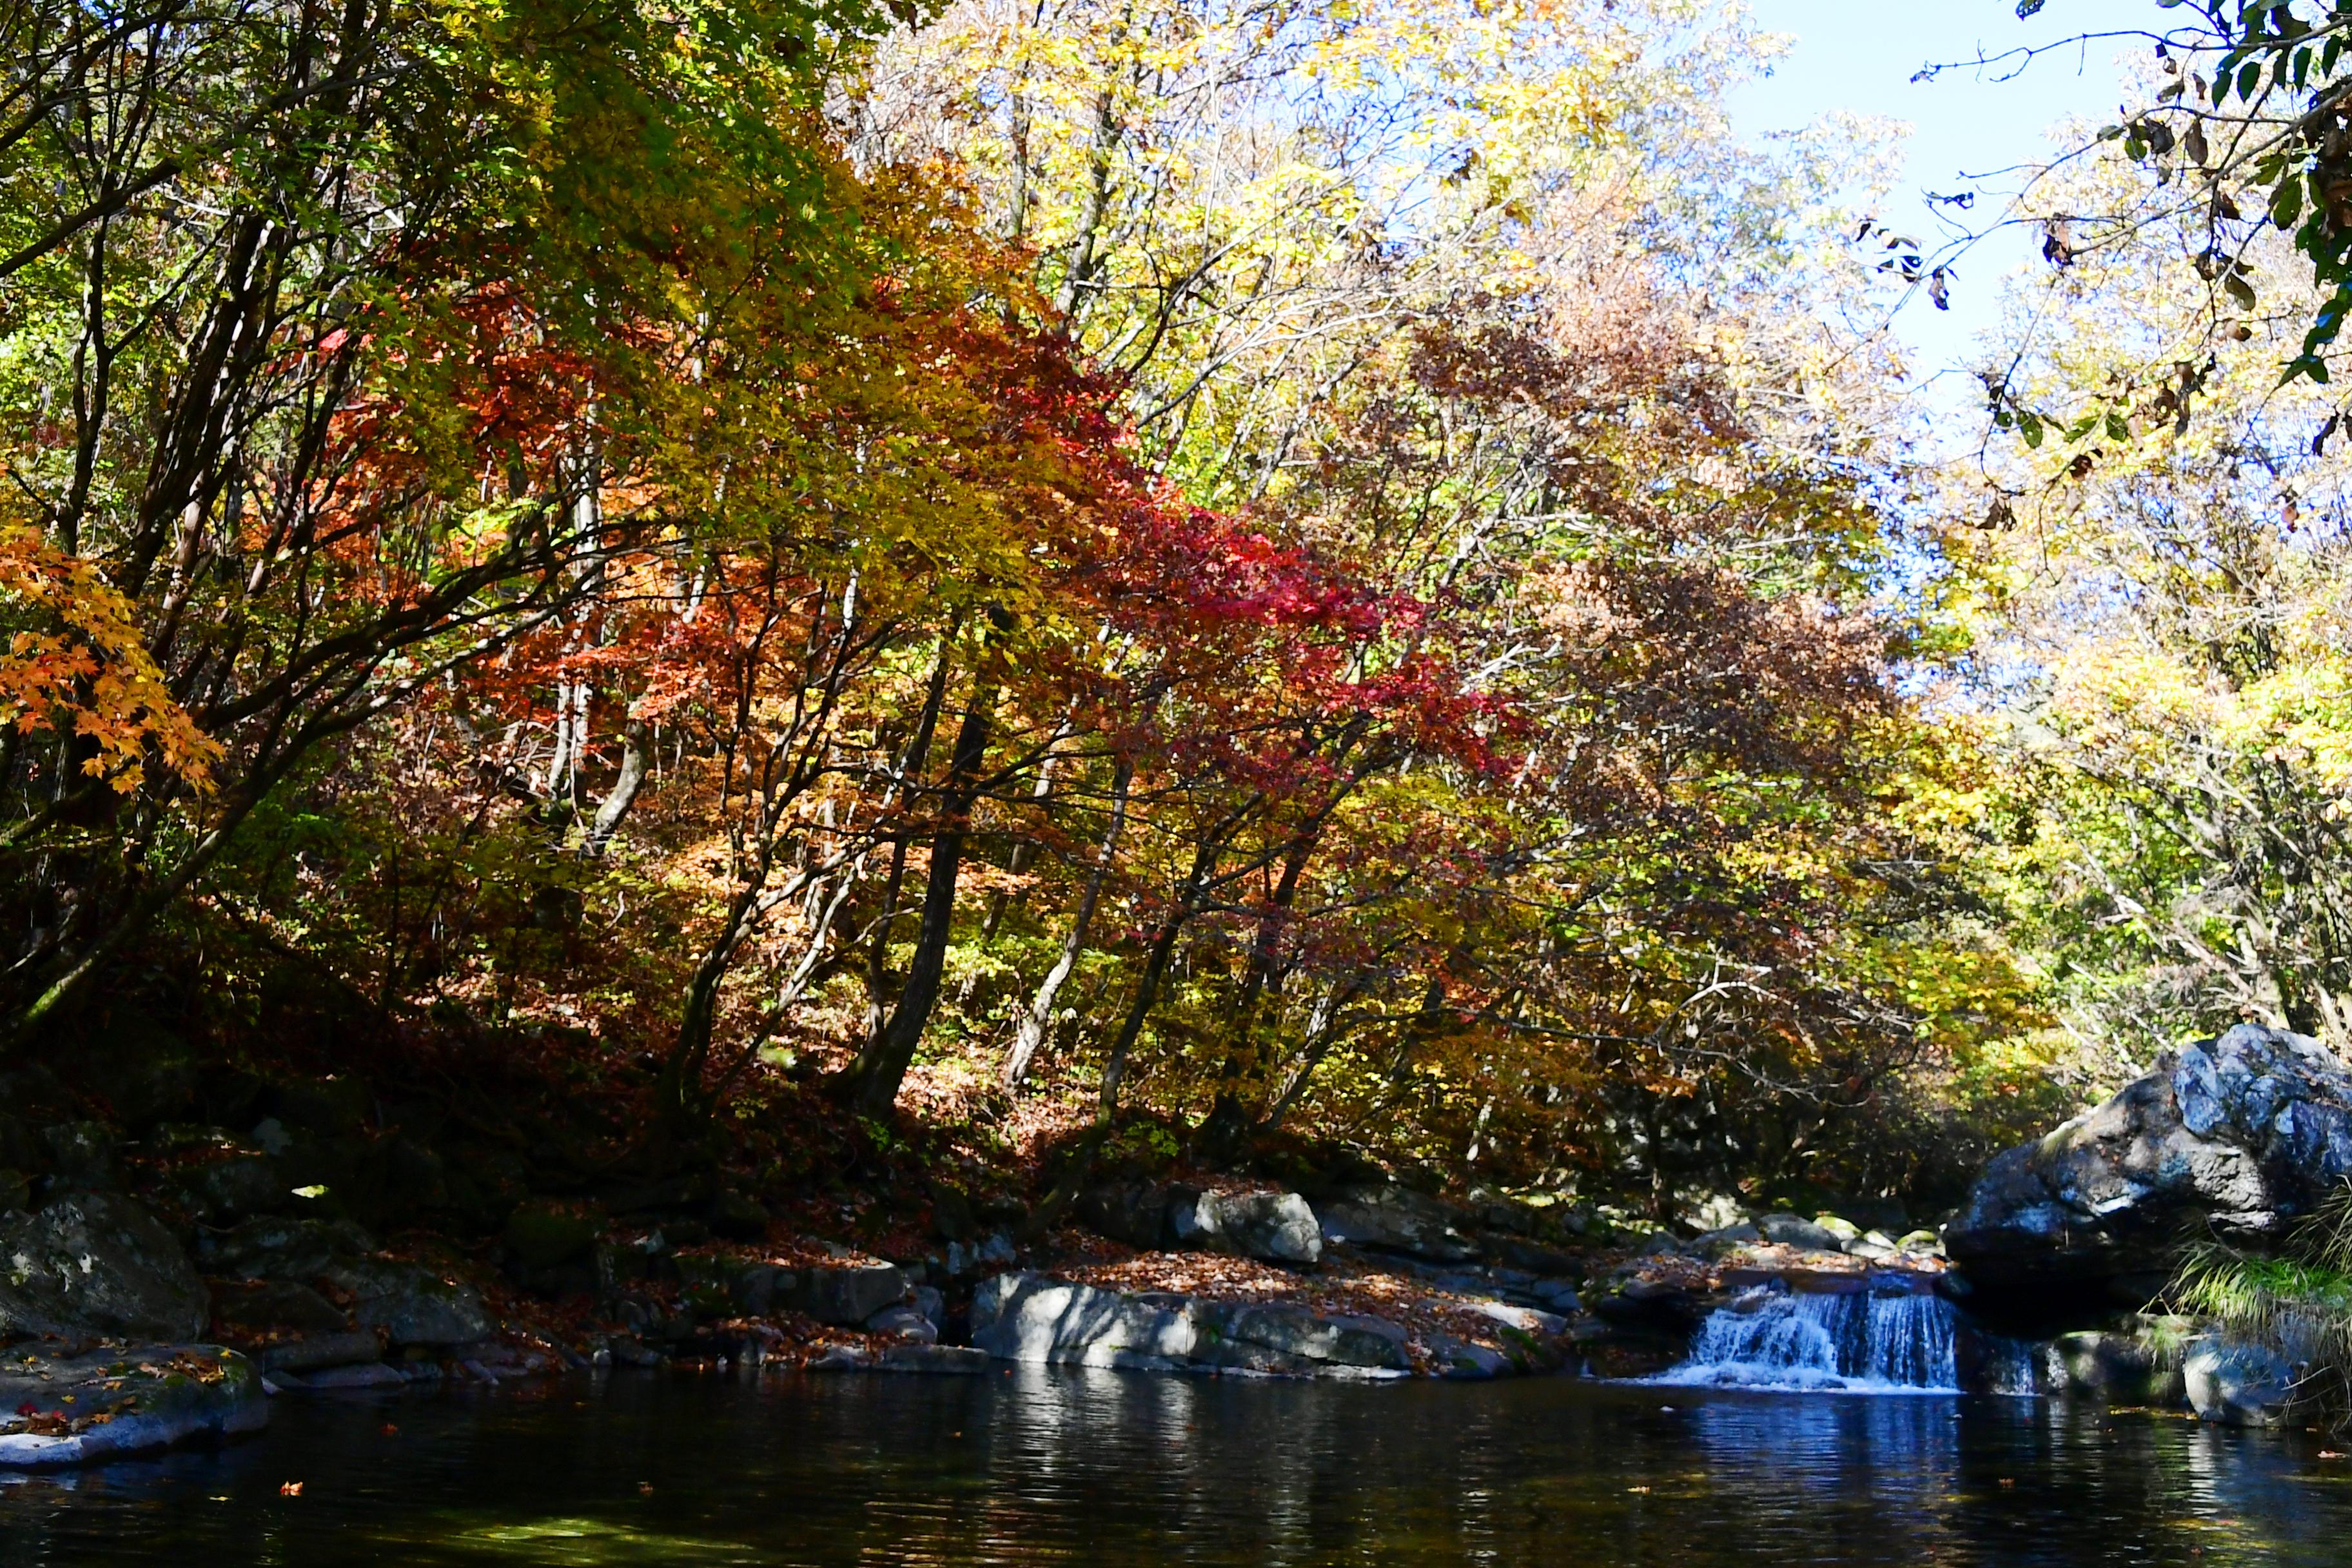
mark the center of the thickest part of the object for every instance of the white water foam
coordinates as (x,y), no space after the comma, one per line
(1772,1338)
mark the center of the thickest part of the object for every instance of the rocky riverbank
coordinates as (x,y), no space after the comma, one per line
(162,1287)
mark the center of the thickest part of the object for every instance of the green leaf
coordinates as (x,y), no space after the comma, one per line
(2238,289)
(2250,75)
(2286,202)
(2118,427)
(2030,425)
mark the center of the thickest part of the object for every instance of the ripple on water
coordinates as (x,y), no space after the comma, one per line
(1124,1471)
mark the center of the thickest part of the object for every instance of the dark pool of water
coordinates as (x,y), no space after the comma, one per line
(1120,1471)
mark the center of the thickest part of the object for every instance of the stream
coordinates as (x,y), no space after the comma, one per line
(1029,1465)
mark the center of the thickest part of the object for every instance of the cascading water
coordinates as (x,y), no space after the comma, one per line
(1772,1338)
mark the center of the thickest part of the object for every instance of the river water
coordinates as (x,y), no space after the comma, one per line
(1120,1471)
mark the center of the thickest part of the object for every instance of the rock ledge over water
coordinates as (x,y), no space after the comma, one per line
(111,1403)
(2233,1136)
(1032,1318)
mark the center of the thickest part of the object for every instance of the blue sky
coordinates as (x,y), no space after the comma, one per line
(1860,54)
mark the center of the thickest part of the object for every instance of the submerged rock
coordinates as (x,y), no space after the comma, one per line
(2234,1383)
(92,1265)
(2235,1135)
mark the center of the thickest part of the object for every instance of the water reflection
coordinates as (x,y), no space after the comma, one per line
(1123,1471)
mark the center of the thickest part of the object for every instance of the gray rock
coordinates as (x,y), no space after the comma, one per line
(1295,1339)
(93,1265)
(1729,1239)
(260,1306)
(360,1375)
(2242,1133)
(1389,1219)
(347,1348)
(845,1294)
(1789,1230)
(2234,1383)
(1462,1361)
(224,1191)
(1029,1318)
(171,1393)
(1559,1295)
(412,1304)
(903,1321)
(1277,1227)
(723,1284)
(842,1294)
(952,1360)
(1525,1319)
(276,1249)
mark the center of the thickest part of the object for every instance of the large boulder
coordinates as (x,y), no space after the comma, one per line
(2232,1137)
(1030,1317)
(410,1304)
(1789,1230)
(1276,1227)
(845,1294)
(281,1249)
(96,1266)
(1389,1219)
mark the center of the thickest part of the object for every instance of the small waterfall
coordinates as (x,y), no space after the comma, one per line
(1771,1338)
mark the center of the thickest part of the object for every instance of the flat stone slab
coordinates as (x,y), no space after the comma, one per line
(62,1410)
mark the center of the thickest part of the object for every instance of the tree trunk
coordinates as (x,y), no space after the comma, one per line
(1228,1121)
(882,1067)
(1038,1019)
(911,763)
(1147,992)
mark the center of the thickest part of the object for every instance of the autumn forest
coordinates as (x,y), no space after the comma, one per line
(901,611)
